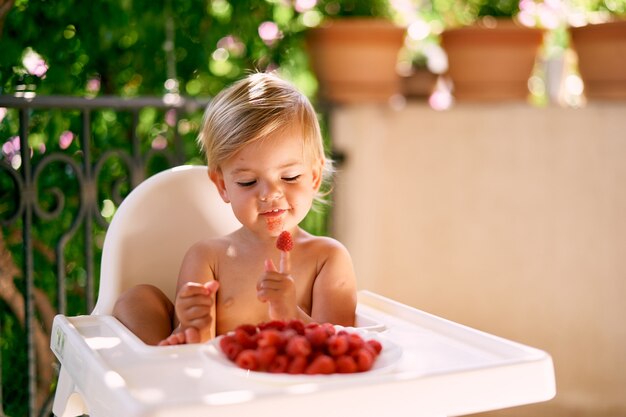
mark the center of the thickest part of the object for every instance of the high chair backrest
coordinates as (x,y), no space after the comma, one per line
(153,228)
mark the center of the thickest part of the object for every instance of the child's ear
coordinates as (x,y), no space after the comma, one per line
(218,179)
(318,168)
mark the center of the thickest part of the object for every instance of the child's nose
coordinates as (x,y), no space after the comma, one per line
(270,192)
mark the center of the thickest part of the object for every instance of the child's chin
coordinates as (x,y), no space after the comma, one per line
(274,225)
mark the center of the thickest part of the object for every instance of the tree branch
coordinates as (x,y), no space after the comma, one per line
(15,300)
(5,7)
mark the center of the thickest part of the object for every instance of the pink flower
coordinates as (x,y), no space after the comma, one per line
(11,146)
(304,5)
(159,143)
(542,13)
(3,113)
(93,85)
(65,140)
(440,100)
(34,64)
(268,31)
(170,117)
(232,44)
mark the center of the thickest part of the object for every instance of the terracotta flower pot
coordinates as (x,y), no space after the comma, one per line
(491,63)
(601,50)
(355,59)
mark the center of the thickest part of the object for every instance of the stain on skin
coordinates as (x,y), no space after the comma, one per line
(229,302)
(274,224)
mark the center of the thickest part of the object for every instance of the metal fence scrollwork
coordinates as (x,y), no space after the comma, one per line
(66,164)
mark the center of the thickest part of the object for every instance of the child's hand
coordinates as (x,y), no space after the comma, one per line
(194,302)
(278,289)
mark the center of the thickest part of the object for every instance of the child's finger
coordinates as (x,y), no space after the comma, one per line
(269,266)
(285,264)
(191,289)
(201,301)
(212,286)
(192,335)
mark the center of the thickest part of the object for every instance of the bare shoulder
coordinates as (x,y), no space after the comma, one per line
(210,244)
(326,250)
(202,259)
(323,244)
(209,249)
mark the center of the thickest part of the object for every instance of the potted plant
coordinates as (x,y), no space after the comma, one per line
(599,39)
(490,54)
(354,51)
(420,69)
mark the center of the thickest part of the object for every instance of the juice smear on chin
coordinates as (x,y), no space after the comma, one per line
(274,224)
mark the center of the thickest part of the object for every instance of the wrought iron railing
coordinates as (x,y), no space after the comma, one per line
(38,186)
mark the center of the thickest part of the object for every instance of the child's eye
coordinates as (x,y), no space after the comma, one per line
(291,179)
(246,183)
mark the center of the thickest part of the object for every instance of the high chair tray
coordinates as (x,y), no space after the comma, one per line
(443,369)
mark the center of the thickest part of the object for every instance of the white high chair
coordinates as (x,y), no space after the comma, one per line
(146,241)
(429,366)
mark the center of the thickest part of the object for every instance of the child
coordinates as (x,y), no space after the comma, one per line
(265,155)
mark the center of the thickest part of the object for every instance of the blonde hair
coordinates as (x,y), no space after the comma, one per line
(253,108)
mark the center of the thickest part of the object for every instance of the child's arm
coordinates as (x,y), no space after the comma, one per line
(195,298)
(334,290)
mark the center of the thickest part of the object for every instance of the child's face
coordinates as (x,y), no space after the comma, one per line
(270,184)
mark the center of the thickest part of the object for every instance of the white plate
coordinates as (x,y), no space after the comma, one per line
(385,362)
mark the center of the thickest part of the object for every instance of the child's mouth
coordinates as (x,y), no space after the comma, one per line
(273,213)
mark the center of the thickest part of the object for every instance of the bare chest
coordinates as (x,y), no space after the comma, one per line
(237,301)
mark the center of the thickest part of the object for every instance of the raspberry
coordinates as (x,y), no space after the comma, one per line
(274,324)
(330,329)
(248,328)
(364,359)
(230,347)
(323,364)
(376,345)
(297,365)
(337,344)
(284,241)
(298,346)
(345,364)
(266,356)
(245,339)
(296,325)
(317,336)
(279,364)
(270,337)
(248,359)
(355,341)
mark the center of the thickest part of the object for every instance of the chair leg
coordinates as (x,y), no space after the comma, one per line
(67,402)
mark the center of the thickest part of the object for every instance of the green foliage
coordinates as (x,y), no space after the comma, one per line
(464,12)
(356,8)
(12,349)
(612,7)
(500,8)
(125,44)
(121,48)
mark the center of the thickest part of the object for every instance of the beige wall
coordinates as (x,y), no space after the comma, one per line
(506,218)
